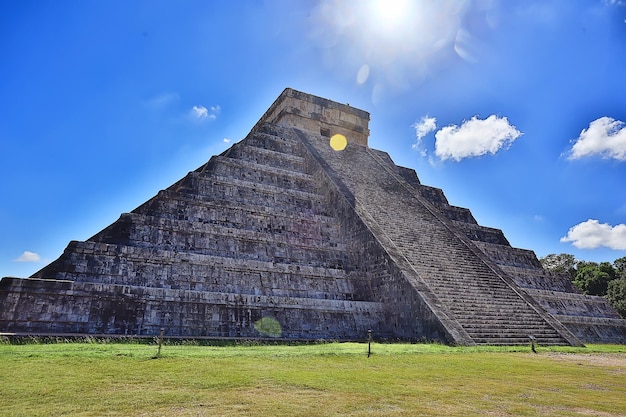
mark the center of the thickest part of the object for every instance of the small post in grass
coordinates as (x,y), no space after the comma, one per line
(160,342)
(532,343)
(369,342)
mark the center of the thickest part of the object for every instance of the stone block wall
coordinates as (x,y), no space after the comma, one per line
(318,116)
(89,308)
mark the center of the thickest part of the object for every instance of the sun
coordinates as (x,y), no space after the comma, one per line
(390,23)
(389,13)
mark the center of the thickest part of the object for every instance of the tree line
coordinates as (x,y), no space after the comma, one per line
(604,279)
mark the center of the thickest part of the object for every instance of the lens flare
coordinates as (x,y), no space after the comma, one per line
(338,142)
(268,326)
(363,74)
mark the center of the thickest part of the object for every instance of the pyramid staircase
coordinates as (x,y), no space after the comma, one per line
(469,289)
(589,318)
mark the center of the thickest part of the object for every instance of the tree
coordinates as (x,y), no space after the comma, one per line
(616,294)
(620,267)
(593,278)
(562,263)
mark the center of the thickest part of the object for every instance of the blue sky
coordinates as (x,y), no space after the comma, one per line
(515,108)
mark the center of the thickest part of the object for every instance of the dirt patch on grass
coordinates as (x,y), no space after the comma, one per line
(549,411)
(600,359)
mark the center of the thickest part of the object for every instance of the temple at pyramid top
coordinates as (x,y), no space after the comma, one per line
(319,116)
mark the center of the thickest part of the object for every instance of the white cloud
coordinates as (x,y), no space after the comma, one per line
(202,113)
(605,137)
(593,234)
(475,137)
(29,256)
(226,140)
(422,128)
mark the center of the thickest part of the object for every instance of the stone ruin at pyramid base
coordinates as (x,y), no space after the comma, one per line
(283,237)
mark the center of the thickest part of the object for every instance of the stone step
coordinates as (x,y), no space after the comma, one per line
(100,262)
(488,312)
(272,142)
(145,228)
(511,340)
(535,327)
(434,195)
(487,286)
(478,316)
(173,206)
(502,322)
(474,296)
(268,157)
(262,174)
(539,279)
(480,233)
(510,256)
(503,330)
(503,327)
(505,338)
(222,246)
(138,254)
(474,300)
(460,214)
(274,130)
(557,303)
(231,242)
(249,192)
(488,318)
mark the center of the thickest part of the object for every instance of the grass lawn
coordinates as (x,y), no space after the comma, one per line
(334,379)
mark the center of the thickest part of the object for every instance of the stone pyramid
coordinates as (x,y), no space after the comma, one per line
(281,236)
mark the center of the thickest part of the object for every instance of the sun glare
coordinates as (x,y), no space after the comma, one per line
(388,45)
(390,12)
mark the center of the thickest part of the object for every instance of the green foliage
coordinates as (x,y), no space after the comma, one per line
(620,267)
(603,279)
(562,263)
(593,278)
(616,294)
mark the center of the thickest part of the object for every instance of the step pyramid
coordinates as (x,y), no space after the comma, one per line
(281,236)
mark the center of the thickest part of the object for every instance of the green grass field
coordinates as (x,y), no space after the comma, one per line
(334,379)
